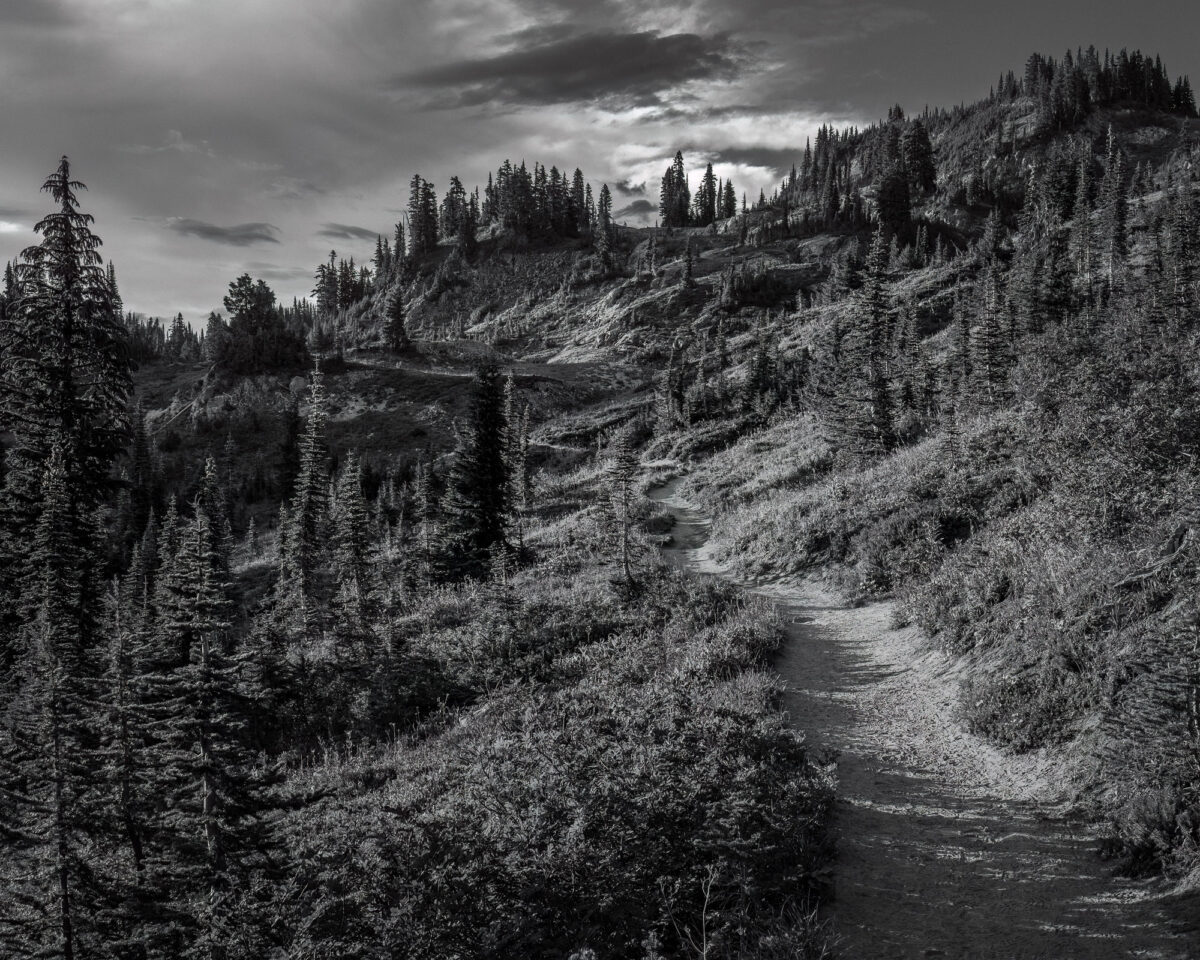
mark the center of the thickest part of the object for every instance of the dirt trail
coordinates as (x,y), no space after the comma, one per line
(948,847)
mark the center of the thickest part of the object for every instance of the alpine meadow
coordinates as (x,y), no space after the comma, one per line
(730,528)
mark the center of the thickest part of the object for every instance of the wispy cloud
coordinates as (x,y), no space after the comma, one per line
(346,231)
(237,235)
(174,142)
(272,271)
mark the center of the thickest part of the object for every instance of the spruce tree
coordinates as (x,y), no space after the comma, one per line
(394,310)
(604,235)
(475,508)
(48,762)
(208,830)
(622,474)
(1082,238)
(65,378)
(1114,201)
(303,531)
(991,348)
(353,562)
(862,408)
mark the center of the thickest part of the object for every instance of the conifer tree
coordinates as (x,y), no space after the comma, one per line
(1115,214)
(475,508)
(604,228)
(622,474)
(1082,239)
(990,345)
(351,540)
(65,378)
(516,453)
(675,199)
(48,765)
(394,307)
(916,152)
(208,828)
(303,535)
(862,407)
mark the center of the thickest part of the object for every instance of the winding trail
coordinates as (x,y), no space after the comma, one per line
(947,846)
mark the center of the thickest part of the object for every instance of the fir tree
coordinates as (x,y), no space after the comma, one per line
(990,345)
(47,763)
(208,827)
(394,307)
(303,534)
(65,378)
(604,228)
(622,474)
(1115,214)
(475,508)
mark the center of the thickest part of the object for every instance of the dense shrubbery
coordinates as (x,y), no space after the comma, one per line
(643,788)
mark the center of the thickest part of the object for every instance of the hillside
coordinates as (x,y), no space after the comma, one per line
(346,625)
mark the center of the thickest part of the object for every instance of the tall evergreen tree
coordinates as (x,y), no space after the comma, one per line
(208,830)
(1114,200)
(394,309)
(604,235)
(48,764)
(65,378)
(475,508)
(622,475)
(303,534)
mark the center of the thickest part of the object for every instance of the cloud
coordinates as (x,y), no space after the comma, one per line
(8,226)
(619,70)
(175,142)
(630,189)
(346,231)
(770,158)
(238,235)
(639,208)
(272,271)
(292,188)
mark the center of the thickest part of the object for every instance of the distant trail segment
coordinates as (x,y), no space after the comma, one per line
(947,846)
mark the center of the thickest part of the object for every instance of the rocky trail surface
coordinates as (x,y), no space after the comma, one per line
(948,847)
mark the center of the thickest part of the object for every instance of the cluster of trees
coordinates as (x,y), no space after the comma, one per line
(1067,90)
(696,385)
(714,199)
(1058,270)
(540,203)
(340,284)
(258,337)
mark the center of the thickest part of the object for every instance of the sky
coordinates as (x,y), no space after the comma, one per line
(219,137)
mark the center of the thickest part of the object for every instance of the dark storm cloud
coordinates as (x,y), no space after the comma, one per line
(629,189)
(346,231)
(238,235)
(639,208)
(609,67)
